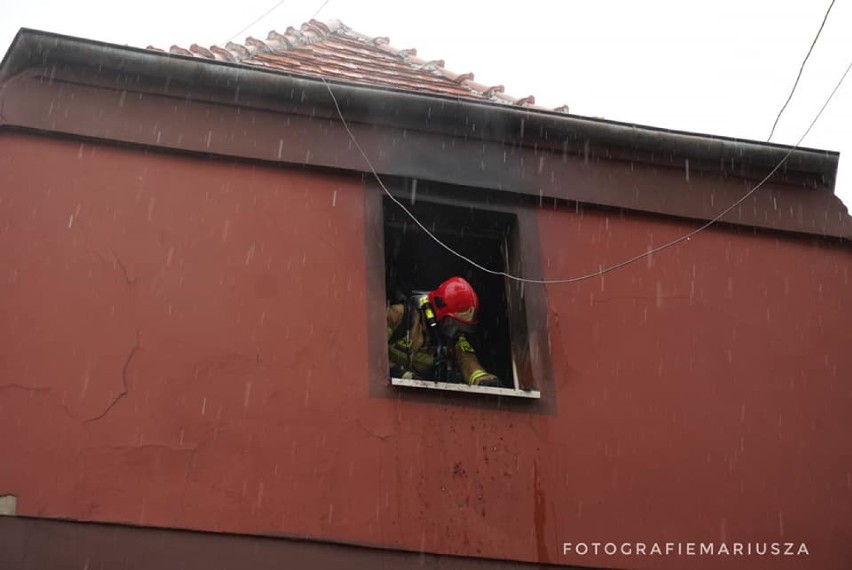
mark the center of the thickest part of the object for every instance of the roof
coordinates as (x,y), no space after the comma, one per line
(335,51)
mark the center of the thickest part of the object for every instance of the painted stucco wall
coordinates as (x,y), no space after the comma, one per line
(183,345)
(704,392)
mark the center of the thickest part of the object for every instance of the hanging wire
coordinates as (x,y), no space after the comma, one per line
(259,18)
(268,12)
(610,268)
(801,69)
(327,1)
(602,271)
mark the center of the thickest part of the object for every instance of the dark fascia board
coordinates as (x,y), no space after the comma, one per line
(402,109)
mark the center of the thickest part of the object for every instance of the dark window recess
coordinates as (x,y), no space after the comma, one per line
(414,261)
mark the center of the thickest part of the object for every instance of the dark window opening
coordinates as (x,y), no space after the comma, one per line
(415,262)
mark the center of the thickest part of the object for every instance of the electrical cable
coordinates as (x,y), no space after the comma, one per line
(801,69)
(608,269)
(265,14)
(268,12)
(323,6)
(602,271)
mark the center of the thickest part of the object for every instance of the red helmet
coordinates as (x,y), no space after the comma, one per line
(455,298)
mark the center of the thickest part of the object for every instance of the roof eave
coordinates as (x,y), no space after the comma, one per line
(513,124)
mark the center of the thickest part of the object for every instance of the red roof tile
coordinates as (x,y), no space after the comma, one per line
(335,51)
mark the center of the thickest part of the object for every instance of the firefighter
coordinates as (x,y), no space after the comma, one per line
(426,336)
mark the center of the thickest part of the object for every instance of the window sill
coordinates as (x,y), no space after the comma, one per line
(428,384)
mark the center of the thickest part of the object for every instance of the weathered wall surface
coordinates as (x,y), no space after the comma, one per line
(703,393)
(183,345)
(179,338)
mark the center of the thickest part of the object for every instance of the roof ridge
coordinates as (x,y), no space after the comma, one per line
(314,32)
(437,68)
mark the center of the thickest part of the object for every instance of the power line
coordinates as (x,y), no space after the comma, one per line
(610,268)
(604,270)
(265,14)
(801,69)
(320,9)
(268,12)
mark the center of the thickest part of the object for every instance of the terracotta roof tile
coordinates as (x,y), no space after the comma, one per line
(335,51)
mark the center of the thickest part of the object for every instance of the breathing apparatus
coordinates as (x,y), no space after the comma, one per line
(441,362)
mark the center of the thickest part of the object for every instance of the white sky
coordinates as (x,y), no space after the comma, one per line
(723,67)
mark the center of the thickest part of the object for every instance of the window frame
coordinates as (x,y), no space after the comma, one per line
(527,388)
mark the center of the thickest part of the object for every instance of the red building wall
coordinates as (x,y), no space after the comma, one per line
(184,346)
(703,393)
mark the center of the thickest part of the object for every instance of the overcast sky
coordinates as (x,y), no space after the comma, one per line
(723,67)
